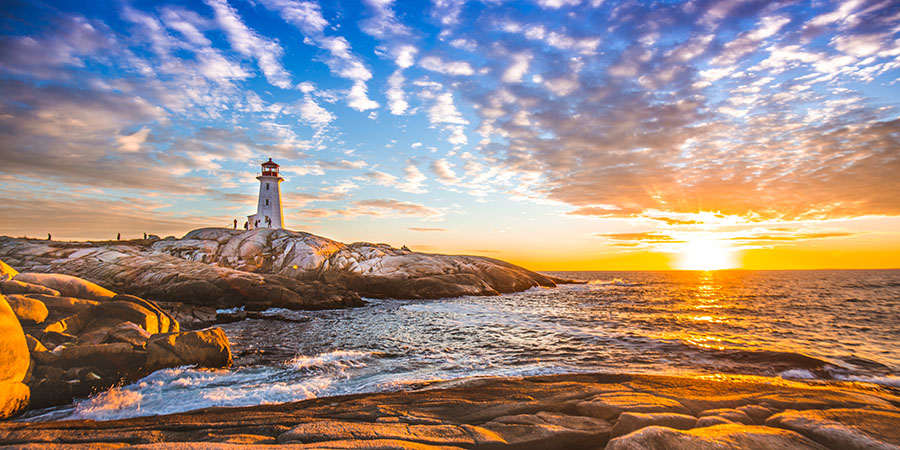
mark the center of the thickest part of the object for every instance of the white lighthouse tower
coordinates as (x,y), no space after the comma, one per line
(268,210)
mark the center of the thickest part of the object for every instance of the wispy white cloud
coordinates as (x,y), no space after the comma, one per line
(307,17)
(435,64)
(250,44)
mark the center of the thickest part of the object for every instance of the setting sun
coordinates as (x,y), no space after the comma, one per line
(707,254)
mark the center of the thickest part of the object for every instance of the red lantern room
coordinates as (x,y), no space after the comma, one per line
(269,169)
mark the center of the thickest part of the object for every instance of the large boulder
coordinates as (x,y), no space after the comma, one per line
(7,272)
(609,406)
(60,307)
(719,437)
(263,250)
(379,270)
(67,285)
(844,428)
(465,436)
(14,363)
(114,359)
(550,431)
(20,287)
(629,422)
(28,310)
(204,348)
(166,323)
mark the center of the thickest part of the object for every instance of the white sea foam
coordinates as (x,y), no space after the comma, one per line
(283,312)
(336,359)
(111,404)
(230,310)
(885,380)
(183,389)
(797,374)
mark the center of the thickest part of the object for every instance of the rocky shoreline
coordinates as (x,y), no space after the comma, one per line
(62,337)
(590,411)
(263,268)
(65,336)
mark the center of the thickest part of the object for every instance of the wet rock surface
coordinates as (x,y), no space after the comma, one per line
(518,413)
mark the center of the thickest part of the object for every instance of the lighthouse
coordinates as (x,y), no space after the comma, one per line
(268,209)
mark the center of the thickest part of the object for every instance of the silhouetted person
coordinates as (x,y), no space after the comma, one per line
(256,224)
(235,224)
(268,222)
(49,238)
(145,235)
(246,225)
(118,236)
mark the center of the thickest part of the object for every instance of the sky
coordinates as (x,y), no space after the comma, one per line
(555,134)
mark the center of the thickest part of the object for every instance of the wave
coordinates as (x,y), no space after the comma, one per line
(885,380)
(335,359)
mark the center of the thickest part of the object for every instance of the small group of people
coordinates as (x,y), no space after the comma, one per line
(268,222)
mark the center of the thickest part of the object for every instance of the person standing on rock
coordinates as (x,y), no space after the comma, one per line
(235,224)
(49,238)
(246,225)
(118,236)
(145,236)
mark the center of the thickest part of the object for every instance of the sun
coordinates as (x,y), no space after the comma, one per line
(706,254)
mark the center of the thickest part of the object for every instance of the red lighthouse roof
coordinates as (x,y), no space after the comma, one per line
(269,163)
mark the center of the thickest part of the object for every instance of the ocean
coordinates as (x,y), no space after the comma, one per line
(811,325)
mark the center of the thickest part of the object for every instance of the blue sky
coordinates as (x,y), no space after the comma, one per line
(525,130)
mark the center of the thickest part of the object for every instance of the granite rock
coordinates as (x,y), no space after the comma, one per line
(14,363)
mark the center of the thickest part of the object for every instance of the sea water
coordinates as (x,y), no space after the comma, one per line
(826,325)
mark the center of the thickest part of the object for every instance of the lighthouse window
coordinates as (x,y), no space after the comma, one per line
(267,186)
(267,202)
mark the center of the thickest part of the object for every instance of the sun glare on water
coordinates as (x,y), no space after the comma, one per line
(706,255)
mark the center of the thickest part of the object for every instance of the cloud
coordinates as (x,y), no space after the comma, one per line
(639,239)
(517,69)
(701,122)
(762,238)
(414,179)
(379,208)
(316,115)
(444,111)
(74,40)
(444,171)
(307,17)
(412,182)
(395,94)
(132,142)
(250,44)
(73,216)
(383,23)
(435,64)
(447,11)
(556,4)
(76,137)
(426,229)
(391,207)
